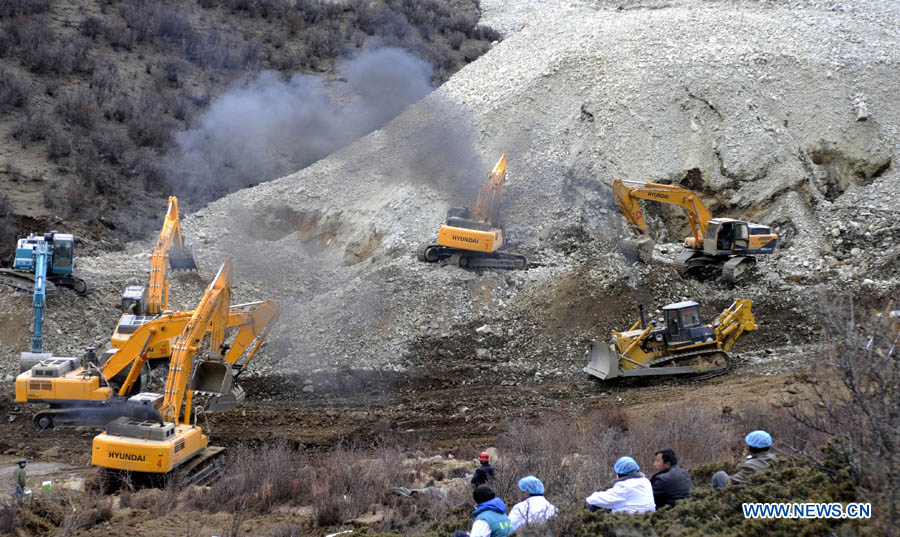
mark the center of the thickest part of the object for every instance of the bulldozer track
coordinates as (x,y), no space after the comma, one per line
(674,359)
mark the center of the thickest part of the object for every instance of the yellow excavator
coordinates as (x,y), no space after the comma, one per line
(470,239)
(153,449)
(722,246)
(94,390)
(171,250)
(681,345)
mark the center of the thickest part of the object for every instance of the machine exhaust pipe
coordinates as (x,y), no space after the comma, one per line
(643,317)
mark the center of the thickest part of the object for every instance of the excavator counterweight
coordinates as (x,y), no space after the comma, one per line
(680,345)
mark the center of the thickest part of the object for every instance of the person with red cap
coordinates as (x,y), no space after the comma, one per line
(484,472)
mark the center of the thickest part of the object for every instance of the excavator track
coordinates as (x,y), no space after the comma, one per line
(25,281)
(203,469)
(78,283)
(433,253)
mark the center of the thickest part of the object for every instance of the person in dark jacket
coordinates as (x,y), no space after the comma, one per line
(19,479)
(670,483)
(485,471)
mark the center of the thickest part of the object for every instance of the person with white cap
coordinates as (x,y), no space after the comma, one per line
(534,509)
(631,493)
(758,458)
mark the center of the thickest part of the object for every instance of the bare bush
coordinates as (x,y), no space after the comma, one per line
(13,8)
(60,144)
(92,27)
(79,107)
(93,510)
(105,81)
(120,36)
(14,90)
(456,39)
(853,390)
(149,130)
(30,128)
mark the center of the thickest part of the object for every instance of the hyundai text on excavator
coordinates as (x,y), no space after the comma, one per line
(154,450)
(681,345)
(719,245)
(92,391)
(470,239)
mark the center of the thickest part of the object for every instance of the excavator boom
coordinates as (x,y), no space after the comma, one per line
(628,193)
(170,249)
(487,208)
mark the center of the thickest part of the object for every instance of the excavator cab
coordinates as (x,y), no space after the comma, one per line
(134,300)
(725,236)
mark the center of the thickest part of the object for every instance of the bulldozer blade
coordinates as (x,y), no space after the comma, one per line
(213,377)
(222,403)
(604,362)
(187,261)
(640,249)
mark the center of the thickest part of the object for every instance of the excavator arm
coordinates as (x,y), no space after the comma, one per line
(628,193)
(487,208)
(253,320)
(210,316)
(170,248)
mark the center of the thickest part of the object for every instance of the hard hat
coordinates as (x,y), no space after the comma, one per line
(759,439)
(625,466)
(531,485)
(484,456)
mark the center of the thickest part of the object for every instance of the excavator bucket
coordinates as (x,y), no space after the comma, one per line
(184,260)
(221,403)
(604,362)
(639,249)
(212,377)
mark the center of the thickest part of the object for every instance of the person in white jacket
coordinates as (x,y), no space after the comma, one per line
(534,509)
(631,493)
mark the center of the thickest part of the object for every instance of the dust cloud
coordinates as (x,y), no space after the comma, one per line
(271,127)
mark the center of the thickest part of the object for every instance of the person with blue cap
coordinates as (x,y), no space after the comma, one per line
(534,509)
(631,492)
(758,457)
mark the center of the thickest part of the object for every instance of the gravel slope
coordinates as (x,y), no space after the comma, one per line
(782,112)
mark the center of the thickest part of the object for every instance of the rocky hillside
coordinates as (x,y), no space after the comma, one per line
(783,113)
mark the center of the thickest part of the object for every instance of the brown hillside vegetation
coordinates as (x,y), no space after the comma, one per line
(93,92)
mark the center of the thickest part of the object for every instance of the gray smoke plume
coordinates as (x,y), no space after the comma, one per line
(272,127)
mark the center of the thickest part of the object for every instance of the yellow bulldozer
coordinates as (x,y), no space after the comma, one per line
(681,345)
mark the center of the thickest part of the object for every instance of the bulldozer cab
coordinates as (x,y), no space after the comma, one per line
(684,325)
(725,236)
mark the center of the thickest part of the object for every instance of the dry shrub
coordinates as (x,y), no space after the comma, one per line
(79,107)
(256,480)
(9,509)
(93,509)
(32,127)
(14,90)
(852,395)
(60,144)
(92,27)
(13,8)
